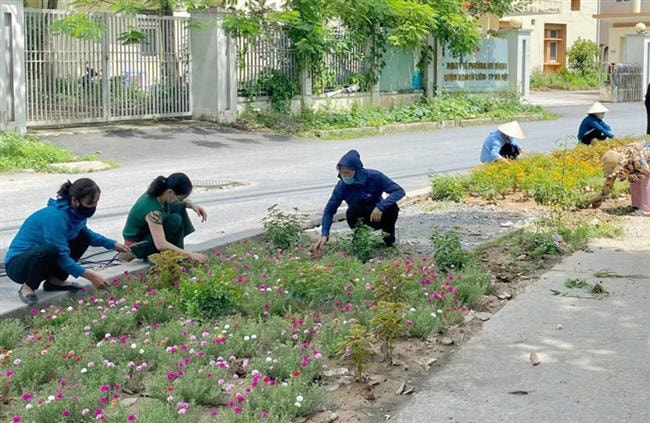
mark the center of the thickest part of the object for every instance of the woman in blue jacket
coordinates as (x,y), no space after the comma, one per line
(593,127)
(362,189)
(52,240)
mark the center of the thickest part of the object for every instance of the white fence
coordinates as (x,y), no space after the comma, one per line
(71,80)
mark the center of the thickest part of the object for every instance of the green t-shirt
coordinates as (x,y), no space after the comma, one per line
(136,227)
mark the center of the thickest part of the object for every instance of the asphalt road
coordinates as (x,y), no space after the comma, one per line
(273,170)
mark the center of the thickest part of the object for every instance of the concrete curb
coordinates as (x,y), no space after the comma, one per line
(422,126)
(13,307)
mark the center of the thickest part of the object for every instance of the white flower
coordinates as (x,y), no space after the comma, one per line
(297,404)
(247,338)
(84,370)
(227,327)
(439,311)
(141,351)
(412,309)
(54,317)
(300,398)
(133,346)
(433,314)
(256,257)
(17,361)
(253,336)
(29,406)
(269,289)
(285,384)
(70,308)
(108,335)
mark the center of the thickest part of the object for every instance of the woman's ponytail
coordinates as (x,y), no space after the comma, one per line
(80,189)
(157,186)
(64,191)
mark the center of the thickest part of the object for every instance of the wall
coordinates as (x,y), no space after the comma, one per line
(611,6)
(341,102)
(580,24)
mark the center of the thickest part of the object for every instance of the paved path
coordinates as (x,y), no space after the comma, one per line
(594,370)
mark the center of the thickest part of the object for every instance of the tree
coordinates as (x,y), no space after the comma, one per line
(583,56)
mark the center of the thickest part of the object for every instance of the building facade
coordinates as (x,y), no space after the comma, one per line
(616,19)
(556,25)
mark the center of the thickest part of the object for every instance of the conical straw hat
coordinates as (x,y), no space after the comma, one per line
(597,108)
(610,160)
(512,129)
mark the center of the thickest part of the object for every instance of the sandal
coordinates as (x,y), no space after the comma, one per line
(29,299)
(72,287)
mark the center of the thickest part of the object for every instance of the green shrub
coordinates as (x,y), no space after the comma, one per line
(363,242)
(583,56)
(472,284)
(283,230)
(10,333)
(449,253)
(28,152)
(210,297)
(448,187)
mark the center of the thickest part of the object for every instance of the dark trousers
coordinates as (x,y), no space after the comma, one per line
(358,214)
(176,227)
(40,263)
(594,134)
(509,151)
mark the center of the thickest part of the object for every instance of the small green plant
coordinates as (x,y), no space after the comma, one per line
(279,87)
(448,187)
(10,333)
(167,268)
(388,324)
(357,348)
(576,283)
(363,242)
(449,253)
(210,297)
(283,230)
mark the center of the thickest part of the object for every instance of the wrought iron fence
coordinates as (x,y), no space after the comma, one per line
(71,80)
(623,82)
(257,58)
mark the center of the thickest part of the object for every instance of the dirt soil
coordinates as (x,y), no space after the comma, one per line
(478,222)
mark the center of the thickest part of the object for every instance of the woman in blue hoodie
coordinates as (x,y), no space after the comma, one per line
(362,190)
(593,127)
(51,241)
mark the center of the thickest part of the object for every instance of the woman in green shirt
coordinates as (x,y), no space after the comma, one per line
(158,221)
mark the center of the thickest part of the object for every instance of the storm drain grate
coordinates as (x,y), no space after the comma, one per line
(217,184)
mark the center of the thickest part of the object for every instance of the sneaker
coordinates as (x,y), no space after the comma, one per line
(639,212)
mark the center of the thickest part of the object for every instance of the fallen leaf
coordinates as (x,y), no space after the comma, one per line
(534,359)
(518,392)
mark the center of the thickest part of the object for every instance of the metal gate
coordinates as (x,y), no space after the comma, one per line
(71,80)
(623,82)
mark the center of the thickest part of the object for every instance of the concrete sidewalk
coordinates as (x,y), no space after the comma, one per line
(594,368)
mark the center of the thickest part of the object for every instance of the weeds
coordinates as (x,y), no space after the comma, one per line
(363,242)
(449,253)
(283,230)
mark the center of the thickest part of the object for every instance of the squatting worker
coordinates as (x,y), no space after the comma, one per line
(51,241)
(631,163)
(593,127)
(362,189)
(158,221)
(501,145)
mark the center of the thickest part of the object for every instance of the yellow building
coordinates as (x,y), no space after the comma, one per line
(618,18)
(556,25)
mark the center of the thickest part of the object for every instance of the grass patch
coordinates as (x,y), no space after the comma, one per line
(19,152)
(457,106)
(565,80)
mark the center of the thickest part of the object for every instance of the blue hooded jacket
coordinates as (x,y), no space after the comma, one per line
(367,190)
(594,122)
(56,224)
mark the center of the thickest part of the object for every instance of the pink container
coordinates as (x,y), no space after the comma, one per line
(640,191)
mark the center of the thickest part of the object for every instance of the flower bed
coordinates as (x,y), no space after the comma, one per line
(564,178)
(245,338)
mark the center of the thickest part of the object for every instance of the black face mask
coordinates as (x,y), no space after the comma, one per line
(84,211)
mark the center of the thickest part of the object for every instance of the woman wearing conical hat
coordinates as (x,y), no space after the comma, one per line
(501,145)
(631,163)
(593,127)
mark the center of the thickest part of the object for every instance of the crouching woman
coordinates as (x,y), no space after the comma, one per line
(158,221)
(51,241)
